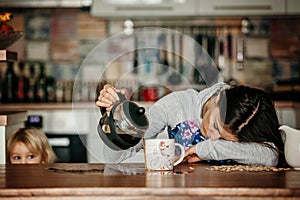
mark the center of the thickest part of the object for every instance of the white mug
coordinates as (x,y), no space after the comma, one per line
(162,154)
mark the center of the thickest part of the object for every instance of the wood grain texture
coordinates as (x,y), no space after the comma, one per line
(132,181)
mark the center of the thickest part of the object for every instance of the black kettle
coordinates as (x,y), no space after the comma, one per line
(124,126)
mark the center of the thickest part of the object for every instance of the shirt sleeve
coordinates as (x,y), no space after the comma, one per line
(242,152)
(170,110)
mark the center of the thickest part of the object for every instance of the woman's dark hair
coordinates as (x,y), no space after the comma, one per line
(252,117)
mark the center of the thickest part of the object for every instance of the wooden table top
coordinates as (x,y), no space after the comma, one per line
(132,181)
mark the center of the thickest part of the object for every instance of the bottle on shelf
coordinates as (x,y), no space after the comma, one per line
(59,92)
(41,85)
(31,93)
(10,84)
(51,93)
(22,84)
(68,89)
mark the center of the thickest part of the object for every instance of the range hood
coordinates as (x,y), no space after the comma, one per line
(44,3)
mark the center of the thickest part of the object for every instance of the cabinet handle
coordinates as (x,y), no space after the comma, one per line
(145,8)
(243,7)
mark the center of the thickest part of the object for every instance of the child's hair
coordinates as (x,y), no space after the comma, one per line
(35,140)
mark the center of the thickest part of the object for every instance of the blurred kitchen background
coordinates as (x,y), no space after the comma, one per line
(251,42)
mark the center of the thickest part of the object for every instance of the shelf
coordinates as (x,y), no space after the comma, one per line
(287,104)
(55,106)
(46,106)
(91,105)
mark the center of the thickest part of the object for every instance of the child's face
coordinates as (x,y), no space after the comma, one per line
(20,154)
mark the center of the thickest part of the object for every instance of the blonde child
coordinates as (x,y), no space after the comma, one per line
(29,146)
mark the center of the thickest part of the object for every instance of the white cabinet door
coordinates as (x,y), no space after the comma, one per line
(293,7)
(240,7)
(143,8)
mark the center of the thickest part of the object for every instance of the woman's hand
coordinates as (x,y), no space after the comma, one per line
(191,156)
(108,96)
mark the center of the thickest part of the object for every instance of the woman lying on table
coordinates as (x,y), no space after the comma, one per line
(237,123)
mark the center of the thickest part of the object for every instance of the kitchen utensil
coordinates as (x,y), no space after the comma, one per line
(136,56)
(221,56)
(124,126)
(240,53)
(175,77)
(197,76)
(181,67)
(163,54)
(291,139)
(211,46)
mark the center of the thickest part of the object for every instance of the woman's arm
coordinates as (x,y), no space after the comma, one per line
(245,153)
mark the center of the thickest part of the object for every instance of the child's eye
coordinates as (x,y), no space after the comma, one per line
(30,156)
(17,157)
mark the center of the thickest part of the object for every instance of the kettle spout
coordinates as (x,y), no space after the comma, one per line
(291,139)
(283,129)
(288,131)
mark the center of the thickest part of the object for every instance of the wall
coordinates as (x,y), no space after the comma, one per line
(62,38)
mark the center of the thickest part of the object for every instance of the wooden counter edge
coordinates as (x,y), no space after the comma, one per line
(8,118)
(123,192)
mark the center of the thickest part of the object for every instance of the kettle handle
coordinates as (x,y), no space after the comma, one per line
(113,134)
(121,97)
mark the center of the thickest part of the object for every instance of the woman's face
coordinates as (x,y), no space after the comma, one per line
(20,154)
(212,126)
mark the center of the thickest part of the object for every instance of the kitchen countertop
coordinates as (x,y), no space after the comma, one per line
(132,181)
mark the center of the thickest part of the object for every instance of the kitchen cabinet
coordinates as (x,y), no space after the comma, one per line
(292,7)
(136,8)
(243,8)
(240,7)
